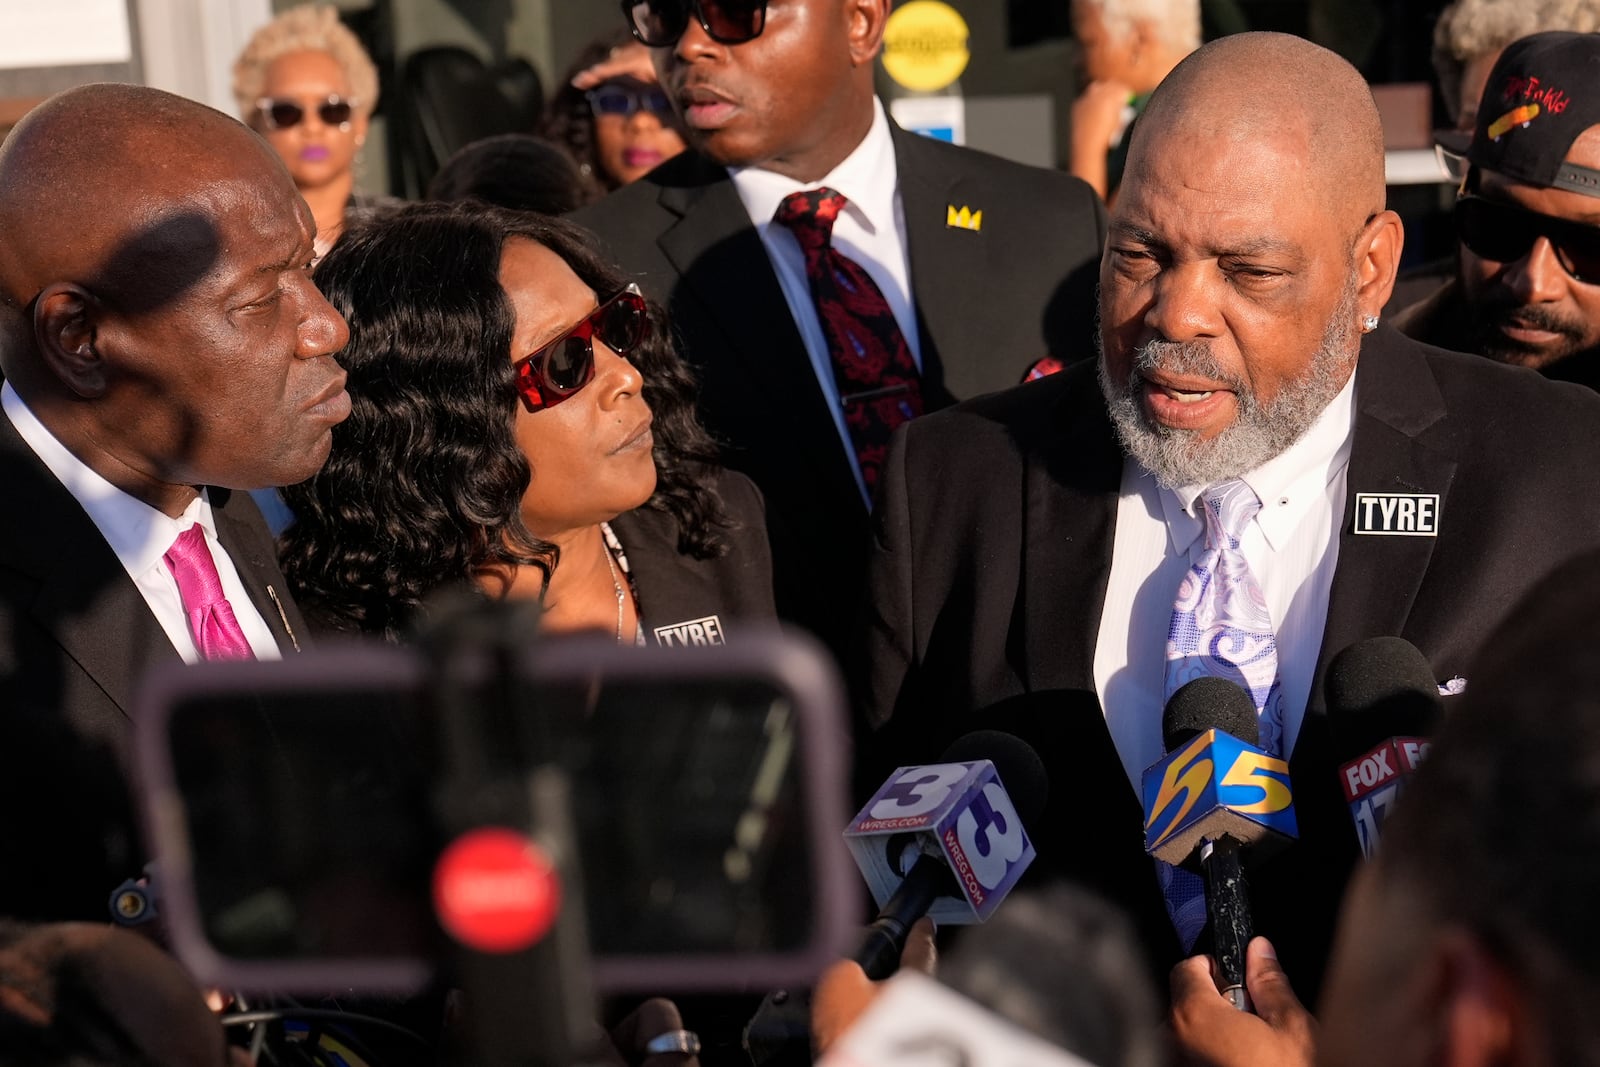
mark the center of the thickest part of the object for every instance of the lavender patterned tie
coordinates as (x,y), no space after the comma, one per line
(1221,628)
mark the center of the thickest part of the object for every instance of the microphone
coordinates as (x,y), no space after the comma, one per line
(946,839)
(1213,794)
(1383,703)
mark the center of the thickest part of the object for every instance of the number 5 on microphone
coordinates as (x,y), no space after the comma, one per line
(1187,774)
(1215,784)
(1258,771)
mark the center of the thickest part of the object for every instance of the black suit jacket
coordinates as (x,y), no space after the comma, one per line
(989,303)
(992,553)
(689,601)
(76,637)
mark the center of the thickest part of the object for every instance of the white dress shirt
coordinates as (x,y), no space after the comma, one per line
(869,231)
(140,536)
(1292,546)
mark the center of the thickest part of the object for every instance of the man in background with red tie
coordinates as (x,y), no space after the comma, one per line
(830,275)
(1256,474)
(162,346)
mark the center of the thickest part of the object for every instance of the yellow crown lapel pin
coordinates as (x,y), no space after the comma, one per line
(963,219)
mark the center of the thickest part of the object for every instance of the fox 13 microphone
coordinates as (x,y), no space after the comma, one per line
(948,839)
(1383,704)
(1212,796)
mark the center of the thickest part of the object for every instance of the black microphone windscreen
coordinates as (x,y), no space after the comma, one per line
(1205,703)
(1379,688)
(1020,769)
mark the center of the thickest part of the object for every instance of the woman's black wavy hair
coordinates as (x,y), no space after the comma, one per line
(425,481)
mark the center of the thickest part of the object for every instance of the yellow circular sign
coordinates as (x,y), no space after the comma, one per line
(925,45)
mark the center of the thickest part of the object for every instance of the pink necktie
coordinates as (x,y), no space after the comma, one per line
(216,632)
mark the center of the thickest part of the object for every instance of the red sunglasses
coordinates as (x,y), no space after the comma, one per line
(565,365)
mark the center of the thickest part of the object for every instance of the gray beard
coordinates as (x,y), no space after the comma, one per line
(1259,431)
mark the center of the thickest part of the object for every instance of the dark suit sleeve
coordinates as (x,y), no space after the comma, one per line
(885,654)
(746,508)
(1070,315)
(879,664)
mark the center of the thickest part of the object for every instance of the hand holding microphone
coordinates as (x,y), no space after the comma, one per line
(1208,1030)
(946,840)
(844,991)
(1210,797)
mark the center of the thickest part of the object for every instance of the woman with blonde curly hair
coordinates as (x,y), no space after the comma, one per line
(305,84)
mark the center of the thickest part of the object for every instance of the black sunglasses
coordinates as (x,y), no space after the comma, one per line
(659,23)
(1505,233)
(625,100)
(284,114)
(562,367)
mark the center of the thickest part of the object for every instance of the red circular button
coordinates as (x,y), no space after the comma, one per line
(495,891)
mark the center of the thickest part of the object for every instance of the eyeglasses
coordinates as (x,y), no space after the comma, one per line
(1505,233)
(1452,164)
(565,365)
(285,114)
(625,100)
(659,23)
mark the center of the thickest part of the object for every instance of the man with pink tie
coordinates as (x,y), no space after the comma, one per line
(163,350)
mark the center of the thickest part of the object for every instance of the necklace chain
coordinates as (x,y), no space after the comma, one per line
(616,584)
(617,560)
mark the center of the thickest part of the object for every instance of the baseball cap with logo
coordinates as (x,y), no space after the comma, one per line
(1543,93)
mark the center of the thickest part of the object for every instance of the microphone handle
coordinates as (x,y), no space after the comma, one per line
(928,880)
(1228,902)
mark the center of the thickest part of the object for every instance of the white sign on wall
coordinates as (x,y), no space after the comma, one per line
(64,33)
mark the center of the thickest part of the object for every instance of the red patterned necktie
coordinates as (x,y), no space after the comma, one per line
(876,376)
(216,632)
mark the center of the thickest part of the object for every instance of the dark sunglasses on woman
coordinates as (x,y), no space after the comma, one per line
(624,100)
(562,367)
(284,114)
(659,23)
(1504,233)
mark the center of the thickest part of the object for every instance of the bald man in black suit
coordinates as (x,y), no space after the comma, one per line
(1030,546)
(162,350)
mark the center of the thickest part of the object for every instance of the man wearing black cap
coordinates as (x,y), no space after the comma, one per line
(1527,290)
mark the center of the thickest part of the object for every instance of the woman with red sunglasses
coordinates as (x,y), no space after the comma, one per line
(521,425)
(305,83)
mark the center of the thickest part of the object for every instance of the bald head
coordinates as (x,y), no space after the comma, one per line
(1251,88)
(156,308)
(106,186)
(1247,252)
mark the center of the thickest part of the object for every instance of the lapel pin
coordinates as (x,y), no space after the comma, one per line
(964,219)
(1397,514)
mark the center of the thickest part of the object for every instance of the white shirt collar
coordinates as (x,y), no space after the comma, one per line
(1286,484)
(867,177)
(138,533)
